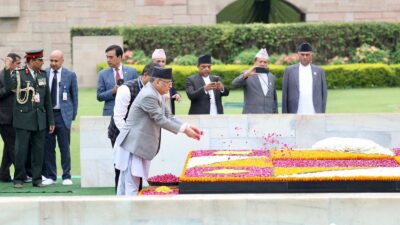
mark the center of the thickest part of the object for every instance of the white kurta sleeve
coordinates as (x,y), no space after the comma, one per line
(122,100)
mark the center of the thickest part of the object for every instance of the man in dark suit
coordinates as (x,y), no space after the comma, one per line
(304,88)
(32,116)
(204,90)
(6,129)
(64,97)
(111,78)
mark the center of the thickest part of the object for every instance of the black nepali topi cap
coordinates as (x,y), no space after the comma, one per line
(34,54)
(204,59)
(149,68)
(164,73)
(304,47)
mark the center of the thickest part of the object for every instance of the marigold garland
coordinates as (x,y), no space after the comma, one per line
(349,161)
(280,171)
(256,161)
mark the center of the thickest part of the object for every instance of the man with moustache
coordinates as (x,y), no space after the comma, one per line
(304,88)
(140,136)
(32,116)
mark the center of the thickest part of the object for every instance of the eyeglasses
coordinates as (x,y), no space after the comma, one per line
(170,82)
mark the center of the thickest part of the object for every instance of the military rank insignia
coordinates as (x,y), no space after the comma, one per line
(42,81)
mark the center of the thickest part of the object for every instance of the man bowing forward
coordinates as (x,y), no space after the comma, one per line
(140,137)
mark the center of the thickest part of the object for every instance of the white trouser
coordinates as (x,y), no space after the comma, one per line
(127,183)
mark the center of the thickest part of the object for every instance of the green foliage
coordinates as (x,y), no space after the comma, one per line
(186,60)
(191,60)
(284,59)
(246,57)
(361,75)
(395,56)
(338,76)
(227,41)
(135,57)
(370,54)
(339,60)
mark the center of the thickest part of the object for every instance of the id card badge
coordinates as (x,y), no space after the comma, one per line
(36,98)
(65,96)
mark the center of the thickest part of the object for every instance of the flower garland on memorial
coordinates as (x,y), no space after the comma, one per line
(288,165)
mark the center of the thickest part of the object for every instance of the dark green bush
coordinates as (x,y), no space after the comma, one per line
(191,60)
(226,41)
(246,57)
(338,76)
(395,56)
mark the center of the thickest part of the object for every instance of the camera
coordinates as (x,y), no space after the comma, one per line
(261,70)
(120,82)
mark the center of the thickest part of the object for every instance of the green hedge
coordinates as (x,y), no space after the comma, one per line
(338,76)
(227,40)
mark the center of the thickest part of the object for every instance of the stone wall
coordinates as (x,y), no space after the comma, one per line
(231,132)
(349,10)
(32,24)
(228,209)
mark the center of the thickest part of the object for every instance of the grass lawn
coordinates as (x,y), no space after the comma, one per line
(374,100)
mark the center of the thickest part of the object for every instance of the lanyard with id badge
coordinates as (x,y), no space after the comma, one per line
(65,95)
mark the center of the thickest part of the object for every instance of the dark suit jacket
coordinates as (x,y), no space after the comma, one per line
(68,84)
(31,116)
(290,89)
(106,83)
(200,100)
(6,102)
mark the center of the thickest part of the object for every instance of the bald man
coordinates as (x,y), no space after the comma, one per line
(64,96)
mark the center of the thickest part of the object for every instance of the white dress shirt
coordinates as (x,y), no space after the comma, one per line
(57,106)
(213,104)
(306,105)
(122,100)
(263,77)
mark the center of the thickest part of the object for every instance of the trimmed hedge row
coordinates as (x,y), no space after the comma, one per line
(227,40)
(338,76)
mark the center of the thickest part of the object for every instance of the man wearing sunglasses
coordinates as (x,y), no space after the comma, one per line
(304,88)
(158,57)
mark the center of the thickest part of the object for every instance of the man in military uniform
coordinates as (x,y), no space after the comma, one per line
(32,115)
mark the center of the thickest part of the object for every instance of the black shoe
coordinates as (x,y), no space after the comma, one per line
(39,185)
(18,186)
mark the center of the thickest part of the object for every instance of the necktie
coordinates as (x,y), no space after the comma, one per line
(117,76)
(54,89)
